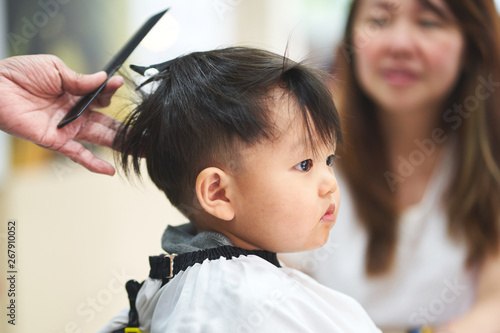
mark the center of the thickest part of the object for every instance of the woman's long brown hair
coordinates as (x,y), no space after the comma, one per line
(473,196)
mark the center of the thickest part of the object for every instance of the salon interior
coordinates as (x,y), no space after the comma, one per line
(81,236)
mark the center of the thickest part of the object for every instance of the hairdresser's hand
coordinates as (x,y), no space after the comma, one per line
(37,91)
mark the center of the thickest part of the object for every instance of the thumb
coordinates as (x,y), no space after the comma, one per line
(80,84)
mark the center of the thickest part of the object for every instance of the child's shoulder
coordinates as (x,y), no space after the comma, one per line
(219,294)
(248,293)
(246,272)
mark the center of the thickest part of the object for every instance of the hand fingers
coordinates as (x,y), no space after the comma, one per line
(113,84)
(99,129)
(84,157)
(78,84)
(104,98)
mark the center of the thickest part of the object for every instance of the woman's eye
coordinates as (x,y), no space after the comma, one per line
(429,20)
(429,23)
(330,160)
(380,19)
(305,165)
(380,22)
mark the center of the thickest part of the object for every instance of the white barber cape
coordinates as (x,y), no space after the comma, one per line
(243,294)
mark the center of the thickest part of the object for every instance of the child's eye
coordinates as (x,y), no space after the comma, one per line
(305,165)
(331,159)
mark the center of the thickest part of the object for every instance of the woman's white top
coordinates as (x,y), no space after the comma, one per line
(429,283)
(240,295)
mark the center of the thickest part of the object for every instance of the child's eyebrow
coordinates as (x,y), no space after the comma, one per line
(304,146)
(301,146)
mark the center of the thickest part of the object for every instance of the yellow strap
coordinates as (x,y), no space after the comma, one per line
(427,329)
(132,330)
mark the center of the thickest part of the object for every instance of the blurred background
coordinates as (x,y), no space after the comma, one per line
(81,236)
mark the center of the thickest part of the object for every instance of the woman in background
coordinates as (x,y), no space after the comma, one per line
(417,239)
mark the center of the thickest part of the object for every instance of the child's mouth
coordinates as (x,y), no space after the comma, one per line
(330,214)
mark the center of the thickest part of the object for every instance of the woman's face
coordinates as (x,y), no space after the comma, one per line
(408,53)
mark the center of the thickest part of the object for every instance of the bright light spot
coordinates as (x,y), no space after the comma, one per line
(163,35)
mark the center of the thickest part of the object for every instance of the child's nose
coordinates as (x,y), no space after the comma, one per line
(328,184)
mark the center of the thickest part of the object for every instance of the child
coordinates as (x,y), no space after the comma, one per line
(242,141)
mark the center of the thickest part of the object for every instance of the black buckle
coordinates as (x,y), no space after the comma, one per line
(162,266)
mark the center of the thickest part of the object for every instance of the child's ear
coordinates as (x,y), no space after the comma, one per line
(211,189)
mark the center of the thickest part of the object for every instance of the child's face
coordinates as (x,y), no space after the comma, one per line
(287,198)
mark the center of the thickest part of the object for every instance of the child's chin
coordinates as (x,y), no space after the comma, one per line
(309,248)
(322,242)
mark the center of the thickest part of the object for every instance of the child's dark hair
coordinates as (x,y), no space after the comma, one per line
(207,104)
